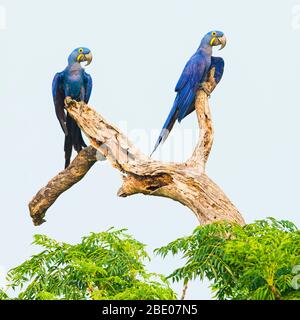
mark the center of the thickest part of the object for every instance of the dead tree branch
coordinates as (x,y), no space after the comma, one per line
(185,182)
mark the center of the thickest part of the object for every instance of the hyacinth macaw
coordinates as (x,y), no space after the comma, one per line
(77,84)
(194,74)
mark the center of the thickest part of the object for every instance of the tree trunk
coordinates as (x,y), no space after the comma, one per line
(185,182)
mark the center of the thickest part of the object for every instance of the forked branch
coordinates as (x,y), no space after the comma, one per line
(185,182)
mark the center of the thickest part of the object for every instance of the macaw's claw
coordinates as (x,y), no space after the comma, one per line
(206,88)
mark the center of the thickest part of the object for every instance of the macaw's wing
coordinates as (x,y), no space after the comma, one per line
(188,84)
(88,83)
(186,88)
(58,98)
(218,64)
(185,76)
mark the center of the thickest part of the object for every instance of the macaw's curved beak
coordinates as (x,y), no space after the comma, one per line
(222,42)
(85,57)
(88,58)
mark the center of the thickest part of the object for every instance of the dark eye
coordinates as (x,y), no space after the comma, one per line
(214,33)
(80,50)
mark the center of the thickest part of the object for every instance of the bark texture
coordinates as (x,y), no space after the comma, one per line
(185,182)
(61,183)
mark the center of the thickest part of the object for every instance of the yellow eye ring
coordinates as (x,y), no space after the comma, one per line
(214,33)
(80,50)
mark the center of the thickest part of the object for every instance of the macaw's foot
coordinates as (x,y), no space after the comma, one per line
(206,87)
(81,107)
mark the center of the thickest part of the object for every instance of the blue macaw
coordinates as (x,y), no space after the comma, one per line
(194,74)
(77,84)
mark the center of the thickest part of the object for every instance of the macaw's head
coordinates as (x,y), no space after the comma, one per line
(213,39)
(81,55)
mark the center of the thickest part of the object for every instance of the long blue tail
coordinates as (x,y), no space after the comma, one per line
(72,139)
(172,117)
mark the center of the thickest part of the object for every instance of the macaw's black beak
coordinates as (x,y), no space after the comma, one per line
(88,58)
(85,57)
(222,42)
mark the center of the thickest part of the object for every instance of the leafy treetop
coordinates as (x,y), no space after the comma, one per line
(106,265)
(256,261)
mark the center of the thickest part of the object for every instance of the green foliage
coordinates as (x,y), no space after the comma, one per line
(106,265)
(253,262)
(256,261)
(3,295)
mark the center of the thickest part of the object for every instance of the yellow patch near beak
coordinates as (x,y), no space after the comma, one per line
(80,57)
(212,41)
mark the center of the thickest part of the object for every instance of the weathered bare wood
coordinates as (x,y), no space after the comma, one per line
(185,182)
(42,201)
(205,141)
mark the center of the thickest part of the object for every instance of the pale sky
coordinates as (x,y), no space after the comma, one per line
(140,48)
